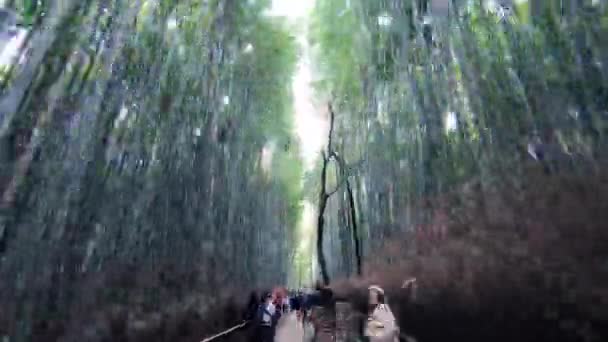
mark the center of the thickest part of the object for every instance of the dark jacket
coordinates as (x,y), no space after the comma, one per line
(252,307)
(295,303)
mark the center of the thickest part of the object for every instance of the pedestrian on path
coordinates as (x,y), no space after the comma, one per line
(265,319)
(305,305)
(381,323)
(296,305)
(285,304)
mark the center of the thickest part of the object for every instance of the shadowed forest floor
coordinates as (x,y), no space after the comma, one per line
(289,329)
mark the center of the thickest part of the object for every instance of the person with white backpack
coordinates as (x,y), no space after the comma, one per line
(381,323)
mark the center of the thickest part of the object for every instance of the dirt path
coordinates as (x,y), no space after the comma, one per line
(289,329)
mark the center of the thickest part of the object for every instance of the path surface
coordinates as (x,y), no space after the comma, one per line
(289,329)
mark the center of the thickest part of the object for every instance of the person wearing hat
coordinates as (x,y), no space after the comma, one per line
(381,324)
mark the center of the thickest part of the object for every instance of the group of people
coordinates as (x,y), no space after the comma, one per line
(264,313)
(381,325)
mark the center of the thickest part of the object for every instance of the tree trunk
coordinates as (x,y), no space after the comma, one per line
(323,197)
(354,228)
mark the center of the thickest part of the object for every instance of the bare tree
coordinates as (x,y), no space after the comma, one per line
(344,171)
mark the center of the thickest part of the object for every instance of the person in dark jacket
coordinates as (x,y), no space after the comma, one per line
(251,315)
(306,305)
(266,319)
(323,312)
(295,304)
(252,306)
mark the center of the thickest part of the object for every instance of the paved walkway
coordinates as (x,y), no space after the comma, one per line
(289,329)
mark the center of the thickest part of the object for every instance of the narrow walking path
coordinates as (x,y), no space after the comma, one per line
(289,329)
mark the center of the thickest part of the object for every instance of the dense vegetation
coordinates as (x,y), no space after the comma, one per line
(148,171)
(474,147)
(146,163)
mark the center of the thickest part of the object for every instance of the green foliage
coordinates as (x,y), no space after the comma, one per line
(311,183)
(269,70)
(502,80)
(340,39)
(153,158)
(30,10)
(5,73)
(287,169)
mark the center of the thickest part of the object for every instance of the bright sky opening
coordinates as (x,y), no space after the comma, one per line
(310,123)
(291,8)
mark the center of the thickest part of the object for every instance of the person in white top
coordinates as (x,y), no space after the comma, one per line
(286,304)
(269,311)
(381,323)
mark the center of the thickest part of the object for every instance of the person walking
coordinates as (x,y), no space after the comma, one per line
(277,300)
(381,323)
(266,317)
(296,305)
(250,315)
(285,304)
(306,305)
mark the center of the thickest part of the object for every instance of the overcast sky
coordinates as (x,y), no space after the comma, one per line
(310,124)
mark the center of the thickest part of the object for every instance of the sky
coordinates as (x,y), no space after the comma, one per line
(310,123)
(291,8)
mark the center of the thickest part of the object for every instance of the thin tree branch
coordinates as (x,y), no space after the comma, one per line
(355,228)
(323,197)
(345,172)
(332,118)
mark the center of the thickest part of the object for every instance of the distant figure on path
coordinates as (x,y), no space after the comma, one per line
(306,306)
(277,300)
(296,302)
(285,305)
(381,324)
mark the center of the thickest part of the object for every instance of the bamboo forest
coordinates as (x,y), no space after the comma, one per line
(160,160)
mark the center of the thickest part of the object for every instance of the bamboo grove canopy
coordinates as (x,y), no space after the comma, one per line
(433,96)
(133,139)
(148,158)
